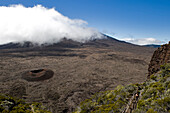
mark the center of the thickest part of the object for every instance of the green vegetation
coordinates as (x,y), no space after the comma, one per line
(9,104)
(108,101)
(154,96)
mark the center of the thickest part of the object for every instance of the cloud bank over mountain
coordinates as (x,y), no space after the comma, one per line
(142,41)
(41,25)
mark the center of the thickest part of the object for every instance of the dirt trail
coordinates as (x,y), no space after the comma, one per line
(132,104)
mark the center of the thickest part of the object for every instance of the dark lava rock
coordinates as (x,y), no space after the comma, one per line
(52,95)
(18,89)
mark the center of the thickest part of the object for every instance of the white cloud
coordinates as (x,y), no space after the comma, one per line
(142,41)
(41,25)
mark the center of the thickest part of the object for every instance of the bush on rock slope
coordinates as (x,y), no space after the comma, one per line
(9,104)
(154,97)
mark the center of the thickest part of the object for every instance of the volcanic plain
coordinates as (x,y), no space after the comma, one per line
(79,70)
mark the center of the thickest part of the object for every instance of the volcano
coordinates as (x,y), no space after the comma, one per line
(79,70)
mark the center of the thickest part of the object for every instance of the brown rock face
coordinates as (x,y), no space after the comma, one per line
(160,57)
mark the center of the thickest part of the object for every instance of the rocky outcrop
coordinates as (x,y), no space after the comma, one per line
(160,57)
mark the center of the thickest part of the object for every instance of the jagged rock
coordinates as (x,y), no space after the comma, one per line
(160,57)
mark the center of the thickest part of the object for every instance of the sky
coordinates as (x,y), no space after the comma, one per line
(136,21)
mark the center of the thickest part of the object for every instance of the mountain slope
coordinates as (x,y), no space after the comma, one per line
(106,42)
(153,45)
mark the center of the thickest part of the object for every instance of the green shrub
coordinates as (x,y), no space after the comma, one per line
(151,111)
(153,77)
(9,104)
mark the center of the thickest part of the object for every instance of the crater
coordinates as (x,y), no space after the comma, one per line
(37,71)
(38,75)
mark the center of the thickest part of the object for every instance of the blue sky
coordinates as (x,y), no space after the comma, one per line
(130,20)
